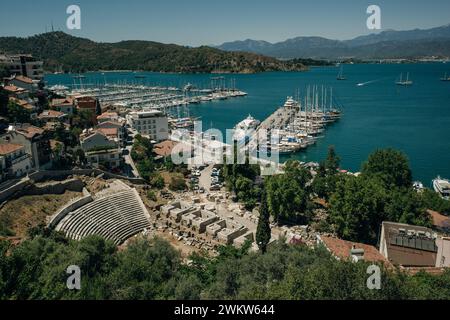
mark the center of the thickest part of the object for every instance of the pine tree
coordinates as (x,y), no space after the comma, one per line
(263,233)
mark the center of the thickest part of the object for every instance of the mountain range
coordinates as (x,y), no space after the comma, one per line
(384,45)
(61,51)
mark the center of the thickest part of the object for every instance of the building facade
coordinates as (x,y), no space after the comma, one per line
(15,162)
(35,142)
(152,124)
(24,65)
(101,149)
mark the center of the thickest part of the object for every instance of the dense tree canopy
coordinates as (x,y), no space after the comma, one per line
(383,192)
(72,54)
(17,113)
(152,269)
(240,178)
(391,166)
(288,195)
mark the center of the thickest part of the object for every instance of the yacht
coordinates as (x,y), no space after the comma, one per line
(188,87)
(418,186)
(445,78)
(290,103)
(340,75)
(245,128)
(403,82)
(442,186)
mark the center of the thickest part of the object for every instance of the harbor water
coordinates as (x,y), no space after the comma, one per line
(376,113)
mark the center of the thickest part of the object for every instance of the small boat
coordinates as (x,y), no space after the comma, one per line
(80,76)
(442,186)
(340,75)
(188,87)
(403,82)
(140,77)
(445,78)
(418,186)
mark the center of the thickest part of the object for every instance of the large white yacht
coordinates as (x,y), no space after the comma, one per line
(245,128)
(442,186)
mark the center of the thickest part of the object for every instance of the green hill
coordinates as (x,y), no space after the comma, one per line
(73,54)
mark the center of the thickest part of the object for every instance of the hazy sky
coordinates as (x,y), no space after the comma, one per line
(197,22)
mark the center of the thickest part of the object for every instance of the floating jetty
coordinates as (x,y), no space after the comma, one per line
(135,96)
(298,125)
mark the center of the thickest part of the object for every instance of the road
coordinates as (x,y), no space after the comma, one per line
(205,178)
(130,167)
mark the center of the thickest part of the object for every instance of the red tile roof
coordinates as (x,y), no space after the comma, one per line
(51,114)
(22,103)
(14,89)
(24,79)
(341,249)
(108,131)
(439,220)
(108,115)
(62,102)
(29,131)
(165,148)
(9,148)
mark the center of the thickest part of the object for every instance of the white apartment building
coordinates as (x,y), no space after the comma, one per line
(152,124)
(100,149)
(25,65)
(15,162)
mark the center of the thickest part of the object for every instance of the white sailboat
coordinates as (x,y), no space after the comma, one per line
(403,82)
(445,78)
(340,75)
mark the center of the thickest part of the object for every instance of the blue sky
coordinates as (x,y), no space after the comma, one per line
(197,22)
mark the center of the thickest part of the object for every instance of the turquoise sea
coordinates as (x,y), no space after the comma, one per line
(379,114)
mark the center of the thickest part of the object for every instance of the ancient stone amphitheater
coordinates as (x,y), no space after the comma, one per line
(116,216)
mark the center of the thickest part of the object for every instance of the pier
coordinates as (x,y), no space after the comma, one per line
(298,125)
(137,96)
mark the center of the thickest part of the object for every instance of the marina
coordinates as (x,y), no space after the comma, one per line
(135,96)
(298,125)
(378,114)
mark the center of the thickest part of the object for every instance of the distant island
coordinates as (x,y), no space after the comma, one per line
(66,53)
(388,44)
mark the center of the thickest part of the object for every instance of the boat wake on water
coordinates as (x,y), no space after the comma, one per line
(362,84)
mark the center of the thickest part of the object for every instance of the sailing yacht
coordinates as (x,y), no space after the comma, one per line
(445,78)
(340,75)
(403,82)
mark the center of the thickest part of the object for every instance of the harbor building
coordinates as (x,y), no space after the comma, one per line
(153,124)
